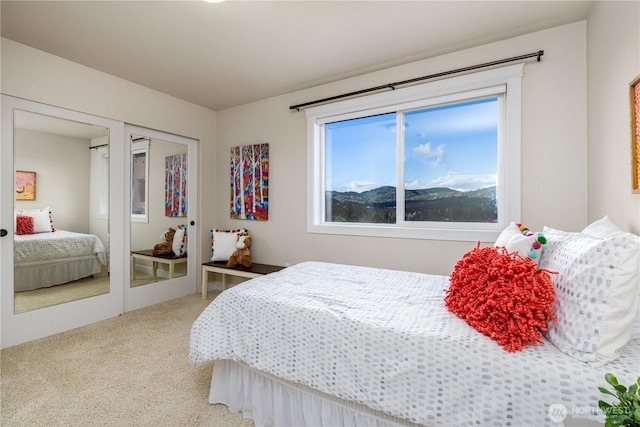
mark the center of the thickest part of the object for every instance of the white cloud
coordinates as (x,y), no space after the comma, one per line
(358,186)
(425,150)
(462,182)
(455,181)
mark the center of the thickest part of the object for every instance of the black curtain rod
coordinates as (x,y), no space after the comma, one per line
(98,146)
(392,86)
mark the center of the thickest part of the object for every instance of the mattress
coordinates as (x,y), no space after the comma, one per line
(384,339)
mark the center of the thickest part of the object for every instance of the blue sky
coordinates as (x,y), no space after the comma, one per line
(450,146)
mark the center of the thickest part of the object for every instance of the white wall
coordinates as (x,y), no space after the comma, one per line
(61,164)
(614,61)
(554,150)
(36,75)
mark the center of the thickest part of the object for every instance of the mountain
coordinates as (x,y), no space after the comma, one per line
(428,204)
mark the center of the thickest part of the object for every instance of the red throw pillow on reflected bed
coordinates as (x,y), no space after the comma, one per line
(24,224)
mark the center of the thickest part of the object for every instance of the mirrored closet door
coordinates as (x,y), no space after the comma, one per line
(162,216)
(60,218)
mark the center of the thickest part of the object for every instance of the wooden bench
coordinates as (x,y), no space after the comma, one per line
(256,270)
(147,254)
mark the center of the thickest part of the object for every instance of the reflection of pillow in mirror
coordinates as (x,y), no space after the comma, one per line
(42,221)
(24,225)
(180,241)
(223,243)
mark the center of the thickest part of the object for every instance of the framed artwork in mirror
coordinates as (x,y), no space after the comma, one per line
(634,94)
(176,185)
(25,185)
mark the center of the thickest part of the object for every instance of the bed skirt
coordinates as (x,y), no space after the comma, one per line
(42,274)
(271,401)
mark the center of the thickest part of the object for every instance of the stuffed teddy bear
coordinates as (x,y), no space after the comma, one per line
(242,255)
(166,247)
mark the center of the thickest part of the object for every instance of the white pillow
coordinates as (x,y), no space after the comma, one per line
(604,228)
(518,238)
(595,302)
(179,245)
(223,244)
(42,221)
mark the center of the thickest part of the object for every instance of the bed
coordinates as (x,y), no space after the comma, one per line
(53,258)
(330,344)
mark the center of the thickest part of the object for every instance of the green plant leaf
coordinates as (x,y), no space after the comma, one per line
(611,379)
(620,388)
(603,405)
(605,391)
(625,412)
(616,420)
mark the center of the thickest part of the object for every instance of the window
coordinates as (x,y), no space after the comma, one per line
(440,160)
(139,179)
(103,182)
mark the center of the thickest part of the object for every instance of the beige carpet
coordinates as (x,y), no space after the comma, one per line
(60,294)
(72,291)
(129,371)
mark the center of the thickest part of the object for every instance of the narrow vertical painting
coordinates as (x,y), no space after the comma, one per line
(249,171)
(635,134)
(176,185)
(25,185)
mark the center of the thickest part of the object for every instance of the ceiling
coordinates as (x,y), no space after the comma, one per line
(235,52)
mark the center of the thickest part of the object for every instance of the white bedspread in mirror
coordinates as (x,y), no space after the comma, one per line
(48,259)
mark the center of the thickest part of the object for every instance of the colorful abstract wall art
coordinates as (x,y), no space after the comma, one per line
(635,134)
(175,185)
(25,185)
(249,170)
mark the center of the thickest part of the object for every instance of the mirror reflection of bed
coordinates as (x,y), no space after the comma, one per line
(71,164)
(155,166)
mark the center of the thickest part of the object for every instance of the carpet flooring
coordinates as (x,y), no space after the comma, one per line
(132,370)
(60,294)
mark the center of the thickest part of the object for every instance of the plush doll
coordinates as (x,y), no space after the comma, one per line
(166,247)
(242,255)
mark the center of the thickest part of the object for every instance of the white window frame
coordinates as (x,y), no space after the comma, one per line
(505,79)
(138,147)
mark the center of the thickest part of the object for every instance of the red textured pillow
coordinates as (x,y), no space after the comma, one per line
(503,296)
(24,224)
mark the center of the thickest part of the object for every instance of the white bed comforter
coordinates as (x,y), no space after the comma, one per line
(59,244)
(385,339)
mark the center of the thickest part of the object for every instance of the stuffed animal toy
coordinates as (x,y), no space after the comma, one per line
(166,247)
(242,255)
